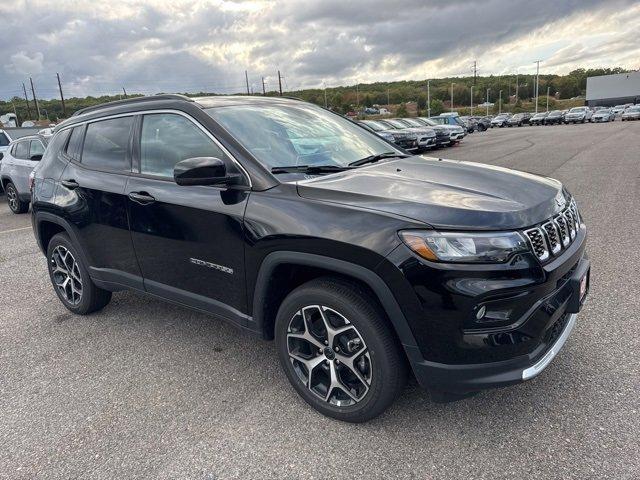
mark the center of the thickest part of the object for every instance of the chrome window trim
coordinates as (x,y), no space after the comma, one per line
(165,110)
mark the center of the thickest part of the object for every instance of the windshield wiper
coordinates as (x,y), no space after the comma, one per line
(310,169)
(377,158)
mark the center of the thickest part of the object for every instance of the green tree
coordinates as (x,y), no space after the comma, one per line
(402,110)
(437,107)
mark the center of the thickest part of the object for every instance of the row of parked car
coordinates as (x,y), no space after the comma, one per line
(574,115)
(419,133)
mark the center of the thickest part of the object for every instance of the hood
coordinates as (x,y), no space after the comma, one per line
(444,194)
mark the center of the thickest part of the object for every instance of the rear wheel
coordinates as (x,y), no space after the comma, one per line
(70,278)
(338,351)
(13,199)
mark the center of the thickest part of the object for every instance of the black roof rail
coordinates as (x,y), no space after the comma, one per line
(126,101)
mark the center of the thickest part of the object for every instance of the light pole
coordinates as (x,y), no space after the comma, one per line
(452,84)
(500,103)
(537,82)
(325,93)
(472,100)
(487,104)
(548,98)
(517,88)
(428,98)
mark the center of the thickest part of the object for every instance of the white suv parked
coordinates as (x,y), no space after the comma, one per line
(19,160)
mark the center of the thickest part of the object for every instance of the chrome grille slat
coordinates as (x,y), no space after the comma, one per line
(552,237)
(556,234)
(538,243)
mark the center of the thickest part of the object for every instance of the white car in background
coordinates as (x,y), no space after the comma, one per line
(604,115)
(18,162)
(578,115)
(5,140)
(631,113)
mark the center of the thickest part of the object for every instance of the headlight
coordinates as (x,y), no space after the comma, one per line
(464,247)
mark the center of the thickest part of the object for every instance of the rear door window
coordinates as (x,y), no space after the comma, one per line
(4,140)
(106,145)
(22,150)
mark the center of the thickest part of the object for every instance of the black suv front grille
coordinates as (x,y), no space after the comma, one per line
(556,234)
(556,329)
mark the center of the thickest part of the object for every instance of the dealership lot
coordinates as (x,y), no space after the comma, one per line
(145,389)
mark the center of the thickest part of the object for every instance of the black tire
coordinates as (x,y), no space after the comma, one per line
(387,365)
(13,200)
(91,297)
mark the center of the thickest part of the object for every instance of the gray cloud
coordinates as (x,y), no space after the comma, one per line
(195,45)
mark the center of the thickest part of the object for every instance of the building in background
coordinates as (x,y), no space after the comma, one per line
(609,90)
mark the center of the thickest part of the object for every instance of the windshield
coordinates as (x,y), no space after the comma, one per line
(4,140)
(604,110)
(633,109)
(395,123)
(280,135)
(578,109)
(428,121)
(375,126)
(412,122)
(438,121)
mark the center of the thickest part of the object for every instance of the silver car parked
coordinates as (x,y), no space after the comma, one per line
(18,162)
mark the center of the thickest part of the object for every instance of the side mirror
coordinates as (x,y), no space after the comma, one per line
(203,171)
(36,158)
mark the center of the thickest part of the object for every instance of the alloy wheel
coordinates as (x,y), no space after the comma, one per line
(66,275)
(12,198)
(329,355)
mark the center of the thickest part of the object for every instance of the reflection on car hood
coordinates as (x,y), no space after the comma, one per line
(443,193)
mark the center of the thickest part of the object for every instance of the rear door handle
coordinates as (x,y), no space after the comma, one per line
(143,198)
(70,184)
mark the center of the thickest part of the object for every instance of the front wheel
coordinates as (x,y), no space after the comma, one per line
(13,199)
(338,351)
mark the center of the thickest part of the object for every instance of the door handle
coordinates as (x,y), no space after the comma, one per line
(70,184)
(143,198)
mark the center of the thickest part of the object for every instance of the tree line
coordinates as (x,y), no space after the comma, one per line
(347,98)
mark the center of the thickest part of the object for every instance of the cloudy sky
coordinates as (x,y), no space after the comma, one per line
(172,45)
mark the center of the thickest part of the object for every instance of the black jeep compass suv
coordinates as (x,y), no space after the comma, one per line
(294,223)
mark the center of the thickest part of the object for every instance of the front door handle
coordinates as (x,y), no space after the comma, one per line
(70,184)
(143,198)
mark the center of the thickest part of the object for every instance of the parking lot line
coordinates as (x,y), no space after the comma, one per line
(15,230)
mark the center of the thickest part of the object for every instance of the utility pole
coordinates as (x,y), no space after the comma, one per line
(537,82)
(388,102)
(517,88)
(488,89)
(264,90)
(472,100)
(357,97)
(246,78)
(24,89)
(125,92)
(280,82)
(475,71)
(548,98)
(452,84)
(326,105)
(500,103)
(428,98)
(35,100)
(64,108)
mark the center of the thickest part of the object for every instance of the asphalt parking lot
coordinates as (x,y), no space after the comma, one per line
(145,389)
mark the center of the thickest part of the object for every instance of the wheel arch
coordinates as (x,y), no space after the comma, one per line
(47,225)
(268,297)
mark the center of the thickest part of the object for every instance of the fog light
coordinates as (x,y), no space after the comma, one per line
(480,313)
